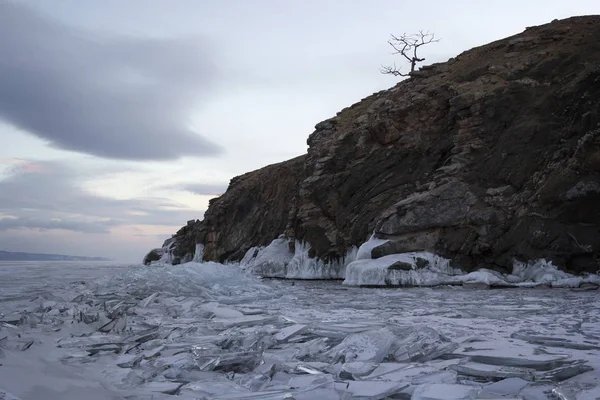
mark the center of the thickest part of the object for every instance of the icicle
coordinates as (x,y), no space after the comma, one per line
(198,253)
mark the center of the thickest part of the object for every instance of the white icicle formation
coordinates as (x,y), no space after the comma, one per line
(198,253)
(277,261)
(407,269)
(364,251)
(427,269)
(358,268)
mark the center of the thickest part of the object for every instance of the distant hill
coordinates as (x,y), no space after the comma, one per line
(17,256)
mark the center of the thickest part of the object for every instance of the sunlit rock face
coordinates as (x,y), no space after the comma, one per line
(489,157)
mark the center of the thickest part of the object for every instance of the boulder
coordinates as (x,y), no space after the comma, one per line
(153,255)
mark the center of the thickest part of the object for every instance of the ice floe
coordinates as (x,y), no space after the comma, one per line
(213,331)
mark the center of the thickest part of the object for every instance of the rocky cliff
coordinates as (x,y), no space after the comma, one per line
(489,157)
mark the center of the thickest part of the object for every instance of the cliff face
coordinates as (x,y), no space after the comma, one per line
(252,212)
(491,156)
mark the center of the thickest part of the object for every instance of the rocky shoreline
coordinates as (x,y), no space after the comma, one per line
(491,157)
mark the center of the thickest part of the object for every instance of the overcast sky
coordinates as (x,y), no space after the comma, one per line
(121,119)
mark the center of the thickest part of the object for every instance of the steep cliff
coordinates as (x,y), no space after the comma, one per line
(489,157)
(252,212)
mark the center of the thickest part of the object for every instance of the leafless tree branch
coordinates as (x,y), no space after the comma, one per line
(405,45)
(388,70)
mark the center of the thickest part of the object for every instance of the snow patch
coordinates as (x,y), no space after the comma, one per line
(531,274)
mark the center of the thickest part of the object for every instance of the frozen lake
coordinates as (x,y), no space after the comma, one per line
(207,331)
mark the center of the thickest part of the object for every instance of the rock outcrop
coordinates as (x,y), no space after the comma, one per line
(489,157)
(252,212)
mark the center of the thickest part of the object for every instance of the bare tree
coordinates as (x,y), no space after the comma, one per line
(407,46)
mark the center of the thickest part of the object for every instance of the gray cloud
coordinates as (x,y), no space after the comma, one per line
(207,189)
(119,99)
(50,195)
(52,224)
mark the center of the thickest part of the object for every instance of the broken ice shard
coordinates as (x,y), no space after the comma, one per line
(369,346)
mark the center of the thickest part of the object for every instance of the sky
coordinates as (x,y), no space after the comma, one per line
(119,119)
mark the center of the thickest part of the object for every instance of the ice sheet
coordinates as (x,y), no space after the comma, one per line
(206,330)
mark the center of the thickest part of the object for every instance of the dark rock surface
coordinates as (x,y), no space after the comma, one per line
(153,255)
(491,156)
(252,212)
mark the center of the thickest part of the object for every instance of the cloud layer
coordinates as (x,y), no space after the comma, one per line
(52,224)
(205,189)
(50,195)
(120,99)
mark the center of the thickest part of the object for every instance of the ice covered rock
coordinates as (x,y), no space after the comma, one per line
(153,256)
(272,261)
(248,259)
(304,267)
(277,261)
(301,266)
(407,269)
(364,251)
(486,277)
(540,271)
(163,255)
